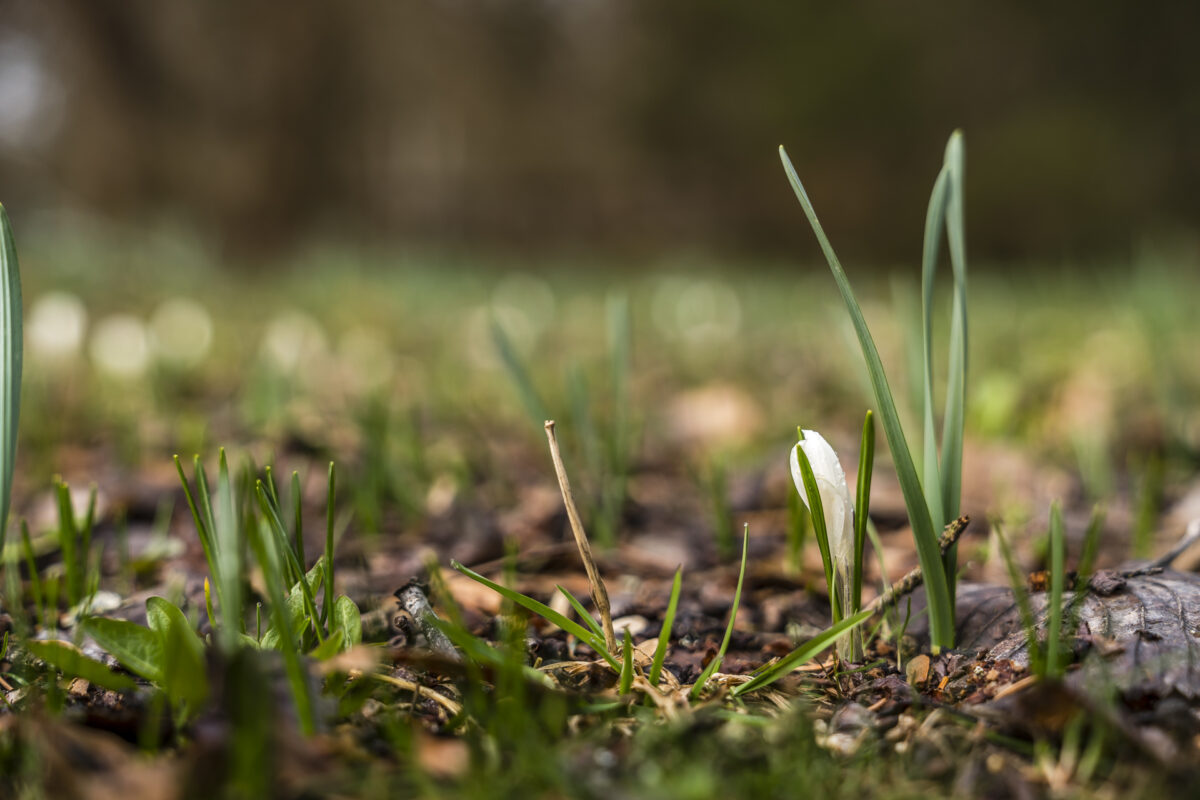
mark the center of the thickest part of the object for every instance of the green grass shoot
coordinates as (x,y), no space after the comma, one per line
(715,664)
(11,355)
(664,636)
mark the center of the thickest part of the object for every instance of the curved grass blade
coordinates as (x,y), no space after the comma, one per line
(329,584)
(862,504)
(802,654)
(941,615)
(664,636)
(271,514)
(67,659)
(546,612)
(581,611)
(956,378)
(715,664)
(11,356)
(935,218)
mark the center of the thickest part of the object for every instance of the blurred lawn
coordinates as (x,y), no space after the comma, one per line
(1088,368)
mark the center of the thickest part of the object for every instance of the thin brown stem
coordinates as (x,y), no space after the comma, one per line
(912,580)
(599,593)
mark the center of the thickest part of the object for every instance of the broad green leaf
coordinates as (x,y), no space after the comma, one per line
(941,615)
(185,676)
(164,616)
(67,659)
(330,647)
(140,650)
(348,619)
(546,612)
(11,355)
(802,654)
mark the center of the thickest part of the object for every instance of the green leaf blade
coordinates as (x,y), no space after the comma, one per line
(941,616)
(138,649)
(11,365)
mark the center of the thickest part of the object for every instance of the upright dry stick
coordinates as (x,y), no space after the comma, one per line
(599,593)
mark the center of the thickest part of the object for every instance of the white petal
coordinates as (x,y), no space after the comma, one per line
(835,493)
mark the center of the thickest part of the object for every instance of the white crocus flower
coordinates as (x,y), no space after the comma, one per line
(836,504)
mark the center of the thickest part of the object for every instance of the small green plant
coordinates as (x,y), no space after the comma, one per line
(932,497)
(171,655)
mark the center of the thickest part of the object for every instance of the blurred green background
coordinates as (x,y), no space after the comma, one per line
(307,227)
(623,126)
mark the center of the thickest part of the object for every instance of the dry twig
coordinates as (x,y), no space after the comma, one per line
(599,592)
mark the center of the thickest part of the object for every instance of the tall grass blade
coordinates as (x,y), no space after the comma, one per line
(862,504)
(664,636)
(715,664)
(935,217)
(11,356)
(1058,569)
(298,518)
(228,575)
(941,615)
(329,520)
(271,514)
(202,531)
(68,543)
(956,377)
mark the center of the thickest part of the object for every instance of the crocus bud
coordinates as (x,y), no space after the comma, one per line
(836,504)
